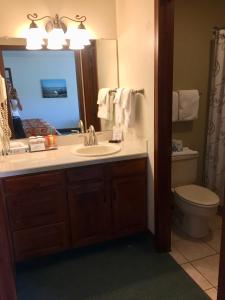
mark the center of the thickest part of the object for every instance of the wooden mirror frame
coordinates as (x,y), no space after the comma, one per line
(87,82)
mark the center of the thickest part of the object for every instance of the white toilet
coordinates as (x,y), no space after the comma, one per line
(196,203)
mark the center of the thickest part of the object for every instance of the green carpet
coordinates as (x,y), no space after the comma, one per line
(129,269)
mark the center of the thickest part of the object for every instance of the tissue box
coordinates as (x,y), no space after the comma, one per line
(177,145)
(18,147)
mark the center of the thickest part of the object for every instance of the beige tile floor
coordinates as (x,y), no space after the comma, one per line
(199,257)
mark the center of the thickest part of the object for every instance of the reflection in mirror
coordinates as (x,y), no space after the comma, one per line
(39,78)
(55,89)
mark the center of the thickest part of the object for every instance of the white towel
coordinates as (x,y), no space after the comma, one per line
(188,104)
(103,102)
(128,103)
(102,95)
(175,107)
(117,98)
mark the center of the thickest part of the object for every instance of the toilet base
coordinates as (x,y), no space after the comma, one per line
(195,226)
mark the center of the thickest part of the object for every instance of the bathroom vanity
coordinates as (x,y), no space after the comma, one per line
(53,208)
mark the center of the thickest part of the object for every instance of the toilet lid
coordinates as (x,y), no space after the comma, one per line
(197,194)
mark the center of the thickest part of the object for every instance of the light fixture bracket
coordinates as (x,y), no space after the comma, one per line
(56,22)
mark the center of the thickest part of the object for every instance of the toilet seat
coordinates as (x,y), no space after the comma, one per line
(197,195)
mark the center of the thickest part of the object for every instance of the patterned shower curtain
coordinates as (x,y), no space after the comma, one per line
(215,151)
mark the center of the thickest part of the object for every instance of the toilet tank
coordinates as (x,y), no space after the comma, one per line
(184,167)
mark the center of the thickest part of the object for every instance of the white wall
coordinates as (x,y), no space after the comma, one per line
(101,20)
(107,67)
(135,31)
(28,68)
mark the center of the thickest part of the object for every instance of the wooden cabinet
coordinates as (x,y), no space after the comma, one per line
(89,207)
(54,211)
(129,212)
(37,214)
(38,241)
(129,205)
(89,213)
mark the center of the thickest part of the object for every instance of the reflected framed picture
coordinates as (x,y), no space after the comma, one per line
(8,75)
(53,88)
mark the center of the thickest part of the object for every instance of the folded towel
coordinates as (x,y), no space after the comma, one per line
(128,103)
(105,105)
(188,104)
(125,97)
(117,98)
(175,107)
(102,95)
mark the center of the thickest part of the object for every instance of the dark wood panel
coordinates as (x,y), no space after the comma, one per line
(129,211)
(33,182)
(31,209)
(89,213)
(85,173)
(40,241)
(7,280)
(164,18)
(90,84)
(130,167)
(221,285)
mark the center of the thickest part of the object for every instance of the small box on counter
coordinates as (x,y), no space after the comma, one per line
(37,143)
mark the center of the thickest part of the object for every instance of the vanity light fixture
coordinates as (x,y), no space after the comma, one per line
(56,33)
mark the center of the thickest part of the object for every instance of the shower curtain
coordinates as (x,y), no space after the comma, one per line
(215,151)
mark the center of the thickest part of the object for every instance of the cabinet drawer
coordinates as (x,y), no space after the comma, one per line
(40,241)
(31,209)
(33,182)
(130,167)
(85,173)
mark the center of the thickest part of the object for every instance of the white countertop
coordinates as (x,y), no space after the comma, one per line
(19,164)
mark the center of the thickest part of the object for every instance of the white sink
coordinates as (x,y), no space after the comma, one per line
(97,150)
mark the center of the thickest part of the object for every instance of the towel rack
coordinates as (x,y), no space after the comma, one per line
(140,91)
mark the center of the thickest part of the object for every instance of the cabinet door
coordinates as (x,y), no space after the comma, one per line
(89,213)
(129,205)
(27,210)
(40,241)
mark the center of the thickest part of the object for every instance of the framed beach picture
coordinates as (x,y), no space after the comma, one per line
(53,88)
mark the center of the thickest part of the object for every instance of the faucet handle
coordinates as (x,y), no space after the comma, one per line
(81,125)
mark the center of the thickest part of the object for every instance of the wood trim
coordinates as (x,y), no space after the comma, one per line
(2,72)
(221,285)
(80,89)
(7,280)
(164,12)
(90,84)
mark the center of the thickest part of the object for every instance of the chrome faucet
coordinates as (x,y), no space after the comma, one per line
(92,138)
(81,126)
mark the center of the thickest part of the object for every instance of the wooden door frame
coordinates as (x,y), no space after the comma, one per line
(164,16)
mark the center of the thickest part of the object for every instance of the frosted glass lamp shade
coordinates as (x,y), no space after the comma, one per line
(75,45)
(80,35)
(56,39)
(83,35)
(34,39)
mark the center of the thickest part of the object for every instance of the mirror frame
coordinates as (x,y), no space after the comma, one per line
(87,82)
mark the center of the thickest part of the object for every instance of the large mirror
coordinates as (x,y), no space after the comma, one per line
(53,90)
